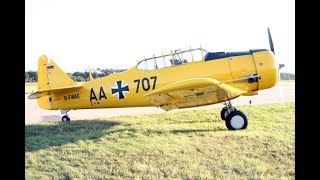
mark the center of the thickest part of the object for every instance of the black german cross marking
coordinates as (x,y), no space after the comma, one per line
(120,89)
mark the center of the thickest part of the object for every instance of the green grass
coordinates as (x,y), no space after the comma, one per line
(175,145)
(30,88)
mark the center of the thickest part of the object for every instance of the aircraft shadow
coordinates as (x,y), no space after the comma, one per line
(39,136)
(42,136)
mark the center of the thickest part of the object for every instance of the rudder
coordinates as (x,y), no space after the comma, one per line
(50,75)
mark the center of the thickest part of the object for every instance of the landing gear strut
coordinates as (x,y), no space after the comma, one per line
(65,118)
(234,119)
(226,110)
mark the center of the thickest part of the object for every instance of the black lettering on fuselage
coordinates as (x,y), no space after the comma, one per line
(145,83)
(102,94)
(72,96)
(92,95)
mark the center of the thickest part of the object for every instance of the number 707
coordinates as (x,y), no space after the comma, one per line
(146,83)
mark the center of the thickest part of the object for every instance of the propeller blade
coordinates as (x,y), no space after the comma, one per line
(279,67)
(270,41)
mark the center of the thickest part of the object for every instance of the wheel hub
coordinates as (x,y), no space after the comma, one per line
(237,122)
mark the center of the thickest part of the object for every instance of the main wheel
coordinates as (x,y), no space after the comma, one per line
(224,112)
(236,120)
(65,118)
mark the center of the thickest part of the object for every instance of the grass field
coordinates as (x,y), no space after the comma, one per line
(175,145)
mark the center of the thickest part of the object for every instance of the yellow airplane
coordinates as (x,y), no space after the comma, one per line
(181,79)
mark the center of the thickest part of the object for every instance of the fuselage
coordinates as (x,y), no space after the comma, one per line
(127,89)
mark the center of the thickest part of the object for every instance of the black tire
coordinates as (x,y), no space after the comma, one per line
(65,118)
(236,120)
(222,113)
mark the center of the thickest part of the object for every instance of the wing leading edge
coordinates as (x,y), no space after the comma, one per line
(191,93)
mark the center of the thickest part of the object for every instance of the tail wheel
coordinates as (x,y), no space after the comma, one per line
(65,118)
(236,120)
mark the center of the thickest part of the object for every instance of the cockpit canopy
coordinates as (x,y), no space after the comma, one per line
(176,57)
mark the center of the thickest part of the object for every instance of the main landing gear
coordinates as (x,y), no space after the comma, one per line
(65,118)
(235,119)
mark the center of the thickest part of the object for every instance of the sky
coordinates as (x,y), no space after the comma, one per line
(116,34)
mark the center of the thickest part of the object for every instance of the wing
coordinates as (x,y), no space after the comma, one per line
(56,90)
(191,93)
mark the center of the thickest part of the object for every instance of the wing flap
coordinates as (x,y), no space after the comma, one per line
(191,93)
(55,90)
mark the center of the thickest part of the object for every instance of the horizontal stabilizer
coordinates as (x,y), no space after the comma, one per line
(53,91)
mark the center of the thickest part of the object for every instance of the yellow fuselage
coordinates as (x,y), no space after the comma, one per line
(230,70)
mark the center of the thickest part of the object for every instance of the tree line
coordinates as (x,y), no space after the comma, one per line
(287,76)
(32,76)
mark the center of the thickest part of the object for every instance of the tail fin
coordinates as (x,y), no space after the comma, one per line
(50,76)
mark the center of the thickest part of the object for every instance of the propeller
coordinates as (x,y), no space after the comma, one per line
(279,67)
(270,41)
